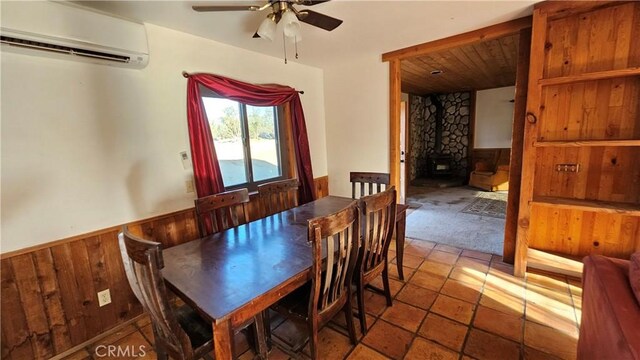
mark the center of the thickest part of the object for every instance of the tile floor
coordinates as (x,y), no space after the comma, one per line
(454,304)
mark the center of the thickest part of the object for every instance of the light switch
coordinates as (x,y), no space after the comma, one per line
(186,163)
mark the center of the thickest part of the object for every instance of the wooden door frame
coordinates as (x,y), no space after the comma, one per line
(394,58)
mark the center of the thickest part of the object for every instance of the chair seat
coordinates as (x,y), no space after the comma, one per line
(199,330)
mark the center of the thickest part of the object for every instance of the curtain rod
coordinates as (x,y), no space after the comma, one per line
(186,75)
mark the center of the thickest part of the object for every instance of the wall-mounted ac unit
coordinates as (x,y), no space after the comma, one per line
(66,31)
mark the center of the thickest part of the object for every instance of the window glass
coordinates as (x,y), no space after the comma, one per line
(263,135)
(226,128)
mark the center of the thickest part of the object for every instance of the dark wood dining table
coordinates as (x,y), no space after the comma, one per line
(231,276)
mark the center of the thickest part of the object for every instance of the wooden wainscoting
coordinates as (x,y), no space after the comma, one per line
(49,292)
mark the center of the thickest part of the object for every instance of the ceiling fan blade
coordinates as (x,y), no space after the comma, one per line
(319,20)
(312,2)
(206,8)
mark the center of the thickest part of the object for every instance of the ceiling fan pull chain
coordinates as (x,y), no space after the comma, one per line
(296,40)
(284,44)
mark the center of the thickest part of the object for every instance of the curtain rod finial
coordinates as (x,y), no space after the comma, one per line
(185,74)
(301,92)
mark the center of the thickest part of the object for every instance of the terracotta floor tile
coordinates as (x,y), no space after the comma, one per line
(406,316)
(499,323)
(417,251)
(339,323)
(331,344)
(476,264)
(136,344)
(547,280)
(417,296)
(443,257)
(78,355)
(427,280)
(394,284)
(422,243)
(452,308)
(424,349)
(114,337)
(467,275)
(435,268)
(476,255)
(374,303)
(560,317)
(502,302)
(393,272)
(550,340)
(533,354)
(143,321)
(502,267)
(388,339)
(277,354)
(444,331)
(505,283)
(293,333)
(483,345)
(362,352)
(147,331)
(410,261)
(542,295)
(467,292)
(447,248)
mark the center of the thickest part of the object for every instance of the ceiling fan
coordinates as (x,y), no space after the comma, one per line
(282,11)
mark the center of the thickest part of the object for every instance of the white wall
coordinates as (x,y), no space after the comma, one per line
(494,118)
(357,112)
(86,146)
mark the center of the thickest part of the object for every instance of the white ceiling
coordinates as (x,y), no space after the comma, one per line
(369,28)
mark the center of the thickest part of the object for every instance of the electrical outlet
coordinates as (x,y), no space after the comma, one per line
(189,186)
(568,167)
(104,297)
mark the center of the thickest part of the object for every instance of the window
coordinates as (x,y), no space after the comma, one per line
(247,140)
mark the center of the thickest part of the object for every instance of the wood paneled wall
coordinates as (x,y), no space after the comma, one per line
(49,292)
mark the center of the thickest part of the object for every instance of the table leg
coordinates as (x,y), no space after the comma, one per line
(223,339)
(401,223)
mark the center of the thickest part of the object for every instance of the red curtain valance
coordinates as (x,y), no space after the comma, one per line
(206,169)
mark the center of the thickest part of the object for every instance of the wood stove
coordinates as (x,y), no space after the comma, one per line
(439,165)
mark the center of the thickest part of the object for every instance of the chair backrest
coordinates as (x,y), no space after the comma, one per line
(142,263)
(369,183)
(339,235)
(278,196)
(222,211)
(378,221)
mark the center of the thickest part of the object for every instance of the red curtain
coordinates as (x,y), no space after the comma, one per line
(205,163)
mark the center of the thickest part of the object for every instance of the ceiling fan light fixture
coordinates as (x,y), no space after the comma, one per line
(267,28)
(291,24)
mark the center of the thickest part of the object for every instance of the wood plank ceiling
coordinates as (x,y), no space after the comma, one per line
(485,65)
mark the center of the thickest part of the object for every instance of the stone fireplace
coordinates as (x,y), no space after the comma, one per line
(439,140)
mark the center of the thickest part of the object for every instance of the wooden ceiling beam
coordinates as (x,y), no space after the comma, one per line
(471,37)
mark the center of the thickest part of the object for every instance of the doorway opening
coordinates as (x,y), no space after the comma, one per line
(462,149)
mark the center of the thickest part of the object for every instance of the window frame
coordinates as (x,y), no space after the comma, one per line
(282,129)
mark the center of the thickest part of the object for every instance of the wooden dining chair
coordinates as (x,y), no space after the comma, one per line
(329,291)
(179,332)
(278,196)
(221,211)
(378,220)
(369,183)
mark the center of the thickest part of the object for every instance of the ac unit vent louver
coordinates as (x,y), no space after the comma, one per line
(36,45)
(71,32)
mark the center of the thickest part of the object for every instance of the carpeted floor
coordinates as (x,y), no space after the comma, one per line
(463,217)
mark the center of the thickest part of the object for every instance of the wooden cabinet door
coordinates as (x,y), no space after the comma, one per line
(580,191)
